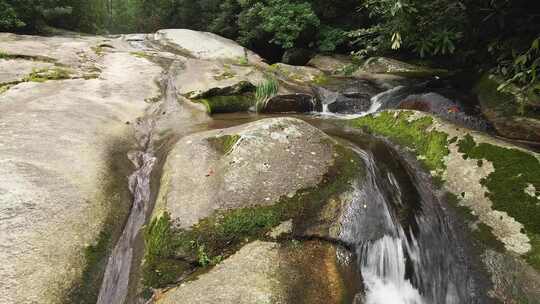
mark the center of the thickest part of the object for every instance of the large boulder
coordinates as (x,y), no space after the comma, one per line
(286,103)
(204,45)
(222,169)
(63,172)
(302,74)
(204,78)
(383,65)
(496,182)
(272,273)
(502,109)
(331,64)
(220,189)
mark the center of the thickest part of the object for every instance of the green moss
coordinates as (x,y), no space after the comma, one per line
(4,88)
(224,144)
(348,70)
(431,146)
(321,79)
(227,104)
(227,74)
(4,55)
(42,75)
(242,61)
(514,171)
(221,234)
(140,54)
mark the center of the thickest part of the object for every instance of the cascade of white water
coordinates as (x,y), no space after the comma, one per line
(383,270)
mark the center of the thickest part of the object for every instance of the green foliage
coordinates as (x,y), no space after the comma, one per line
(160,268)
(286,20)
(264,91)
(30,15)
(330,38)
(432,146)
(514,172)
(424,27)
(9,18)
(521,71)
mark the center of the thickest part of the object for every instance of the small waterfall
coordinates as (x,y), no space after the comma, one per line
(406,249)
(114,288)
(384,271)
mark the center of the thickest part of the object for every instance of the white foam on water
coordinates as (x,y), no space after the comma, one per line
(383,271)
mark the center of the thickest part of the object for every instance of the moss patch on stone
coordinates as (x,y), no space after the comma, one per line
(221,234)
(4,88)
(42,75)
(431,146)
(514,172)
(224,144)
(227,104)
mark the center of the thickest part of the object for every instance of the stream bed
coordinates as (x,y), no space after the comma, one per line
(402,234)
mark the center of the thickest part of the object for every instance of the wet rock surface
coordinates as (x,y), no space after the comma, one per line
(295,103)
(268,272)
(480,171)
(63,173)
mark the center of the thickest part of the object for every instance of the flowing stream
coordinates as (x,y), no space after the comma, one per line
(406,248)
(115,285)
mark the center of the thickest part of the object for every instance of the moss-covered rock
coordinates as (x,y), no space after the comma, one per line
(415,133)
(228,103)
(384,65)
(223,216)
(331,64)
(509,112)
(203,79)
(495,181)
